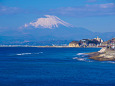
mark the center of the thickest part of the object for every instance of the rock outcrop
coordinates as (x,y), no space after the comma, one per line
(105,54)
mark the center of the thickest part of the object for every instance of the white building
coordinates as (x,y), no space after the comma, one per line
(99,39)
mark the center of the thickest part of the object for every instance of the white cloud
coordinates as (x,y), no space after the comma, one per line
(8,10)
(109,5)
(87,10)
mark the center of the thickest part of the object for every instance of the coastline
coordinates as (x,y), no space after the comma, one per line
(44,46)
(105,54)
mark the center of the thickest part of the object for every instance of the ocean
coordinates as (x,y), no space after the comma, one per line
(32,66)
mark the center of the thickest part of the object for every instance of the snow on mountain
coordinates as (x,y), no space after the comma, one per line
(48,22)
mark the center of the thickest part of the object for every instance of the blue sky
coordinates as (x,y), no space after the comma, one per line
(95,15)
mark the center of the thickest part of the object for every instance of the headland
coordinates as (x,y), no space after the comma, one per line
(105,54)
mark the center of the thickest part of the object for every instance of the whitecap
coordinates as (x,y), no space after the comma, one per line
(19,54)
(28,53)
(38,53)
(81,54)
(24,54)
(80,59)
(89,61)
(75,58)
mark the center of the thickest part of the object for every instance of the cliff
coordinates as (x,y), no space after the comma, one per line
(74,44)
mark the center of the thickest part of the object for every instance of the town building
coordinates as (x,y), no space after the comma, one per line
(99,39)
(109,43)
(91,45)
(112,43)
(87,43)
(104,44)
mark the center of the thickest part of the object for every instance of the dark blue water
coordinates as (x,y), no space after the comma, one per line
(53,67)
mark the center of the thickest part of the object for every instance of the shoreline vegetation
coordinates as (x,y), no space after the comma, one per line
(105,54)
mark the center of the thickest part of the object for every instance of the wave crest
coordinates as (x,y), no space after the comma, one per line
(28,53)
(80,59)
(81,54)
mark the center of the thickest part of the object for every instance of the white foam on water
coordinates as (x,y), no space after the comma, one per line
(28,53)
(38,53)
(80,59)
(24,54)
(89,61)
(19,54)
(81,54)
(75,58)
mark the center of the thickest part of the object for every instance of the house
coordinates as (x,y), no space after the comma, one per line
(92,44)
(109,43)
(104,44)
(112,43)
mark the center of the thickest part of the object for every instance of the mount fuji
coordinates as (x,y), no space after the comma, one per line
(50,27)
(50,22)
(53,28)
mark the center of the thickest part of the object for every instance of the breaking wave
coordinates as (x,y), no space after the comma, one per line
(80,59)
(19,54)
(81,54)
(24,54)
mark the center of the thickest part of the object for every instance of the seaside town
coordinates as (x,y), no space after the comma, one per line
(84,43)
(96,42)
(107,52)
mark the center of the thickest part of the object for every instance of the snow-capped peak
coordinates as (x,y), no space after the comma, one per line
(48,22)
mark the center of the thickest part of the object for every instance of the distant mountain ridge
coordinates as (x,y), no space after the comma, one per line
(51,28)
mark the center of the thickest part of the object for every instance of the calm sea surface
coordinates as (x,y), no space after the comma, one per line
(29,66)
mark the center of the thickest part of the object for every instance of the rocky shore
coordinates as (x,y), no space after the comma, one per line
(105,54)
